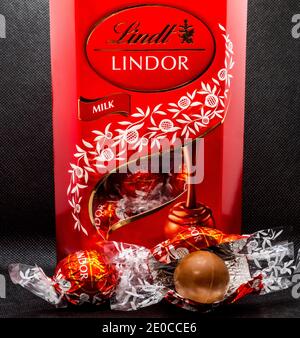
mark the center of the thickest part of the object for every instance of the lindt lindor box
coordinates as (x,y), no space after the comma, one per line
(148,114)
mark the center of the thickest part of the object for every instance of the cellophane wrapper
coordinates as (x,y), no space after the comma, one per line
(258,264)
(33,279)
(133,277)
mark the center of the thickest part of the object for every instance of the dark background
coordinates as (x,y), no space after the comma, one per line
(272,142)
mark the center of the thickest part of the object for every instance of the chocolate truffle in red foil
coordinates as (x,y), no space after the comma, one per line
(142,182)
(202,277)
(85,277)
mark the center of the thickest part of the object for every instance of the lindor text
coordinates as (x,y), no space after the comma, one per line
(149,63)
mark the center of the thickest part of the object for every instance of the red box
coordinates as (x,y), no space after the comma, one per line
(127,78)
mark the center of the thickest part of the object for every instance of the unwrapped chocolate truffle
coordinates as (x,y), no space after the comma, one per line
(202,277)
(201,268)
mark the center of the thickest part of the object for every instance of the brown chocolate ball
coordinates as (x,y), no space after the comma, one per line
(202,277)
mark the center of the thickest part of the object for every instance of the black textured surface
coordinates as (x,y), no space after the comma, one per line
(272,150)
(26,166)
(272,120)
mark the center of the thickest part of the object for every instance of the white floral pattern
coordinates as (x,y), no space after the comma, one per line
(259,264)
(274,262)
(34,280)
(138,285)
(172,122)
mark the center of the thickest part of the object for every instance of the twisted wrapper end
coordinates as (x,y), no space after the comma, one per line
(33,279)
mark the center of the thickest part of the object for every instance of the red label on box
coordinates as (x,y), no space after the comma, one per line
(90,110)
(150,48)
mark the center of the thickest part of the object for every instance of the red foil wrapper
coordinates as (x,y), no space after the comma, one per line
(190,240)
(122,198)
(85,276)
(82,277)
